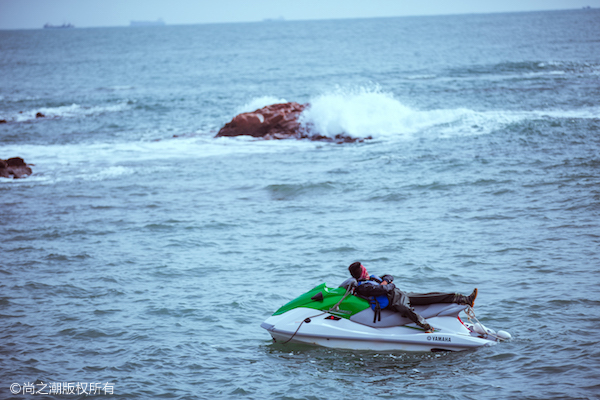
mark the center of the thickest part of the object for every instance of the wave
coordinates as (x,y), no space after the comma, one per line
(527,69)
(105,161)
(359,112)
(372,112)
(70,111)
(362,112)
(292,191)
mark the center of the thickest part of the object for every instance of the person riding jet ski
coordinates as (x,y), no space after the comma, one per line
(382,293)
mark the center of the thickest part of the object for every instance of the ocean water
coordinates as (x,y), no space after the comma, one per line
(141,256)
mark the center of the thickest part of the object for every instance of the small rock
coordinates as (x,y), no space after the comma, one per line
(15,167)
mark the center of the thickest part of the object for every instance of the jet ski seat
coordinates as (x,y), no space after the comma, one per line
(391,318)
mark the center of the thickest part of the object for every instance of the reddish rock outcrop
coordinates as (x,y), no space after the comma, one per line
(277,121)
(14,167)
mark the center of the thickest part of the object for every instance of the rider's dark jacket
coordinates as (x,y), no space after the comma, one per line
(377,293)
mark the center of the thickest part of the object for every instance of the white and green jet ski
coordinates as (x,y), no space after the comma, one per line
(334,317)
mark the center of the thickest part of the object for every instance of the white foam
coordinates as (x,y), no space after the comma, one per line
(14,98)
(362,112)
(70,111)
(359,112)
(117,88)
(465,122)
(110,172)
(421,77)
(106,161)
(581,113)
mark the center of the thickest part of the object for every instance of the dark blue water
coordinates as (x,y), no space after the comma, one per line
(144,254)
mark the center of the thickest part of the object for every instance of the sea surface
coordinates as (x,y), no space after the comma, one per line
(140,258)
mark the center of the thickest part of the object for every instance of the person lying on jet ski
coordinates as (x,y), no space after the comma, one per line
(382,293)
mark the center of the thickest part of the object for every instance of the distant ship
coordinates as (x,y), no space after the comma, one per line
(63,26)
(280,19)
(158,22)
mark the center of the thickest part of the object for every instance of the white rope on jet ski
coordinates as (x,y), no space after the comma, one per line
(335,307)
(471,314)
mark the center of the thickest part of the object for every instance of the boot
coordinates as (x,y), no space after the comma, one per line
(470,299)
(420,321)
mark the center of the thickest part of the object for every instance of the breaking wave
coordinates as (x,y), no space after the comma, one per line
(372,112)
(363,112)
(357,112)
(70,111)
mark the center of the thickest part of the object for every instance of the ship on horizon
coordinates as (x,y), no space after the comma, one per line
(63,26)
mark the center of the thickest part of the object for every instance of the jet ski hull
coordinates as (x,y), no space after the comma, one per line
(309,326)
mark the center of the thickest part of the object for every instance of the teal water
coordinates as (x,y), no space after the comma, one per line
(144,253)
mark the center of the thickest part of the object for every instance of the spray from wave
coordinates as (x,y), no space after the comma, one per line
(357,112)
(363,112)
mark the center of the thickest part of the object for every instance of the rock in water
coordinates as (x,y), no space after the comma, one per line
(14,167)
(277,121)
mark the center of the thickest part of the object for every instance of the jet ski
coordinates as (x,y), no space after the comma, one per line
(337,318)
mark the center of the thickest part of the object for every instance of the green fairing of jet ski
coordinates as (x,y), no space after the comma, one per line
(324,298)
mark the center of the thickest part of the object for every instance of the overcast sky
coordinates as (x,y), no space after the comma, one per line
(33,14)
